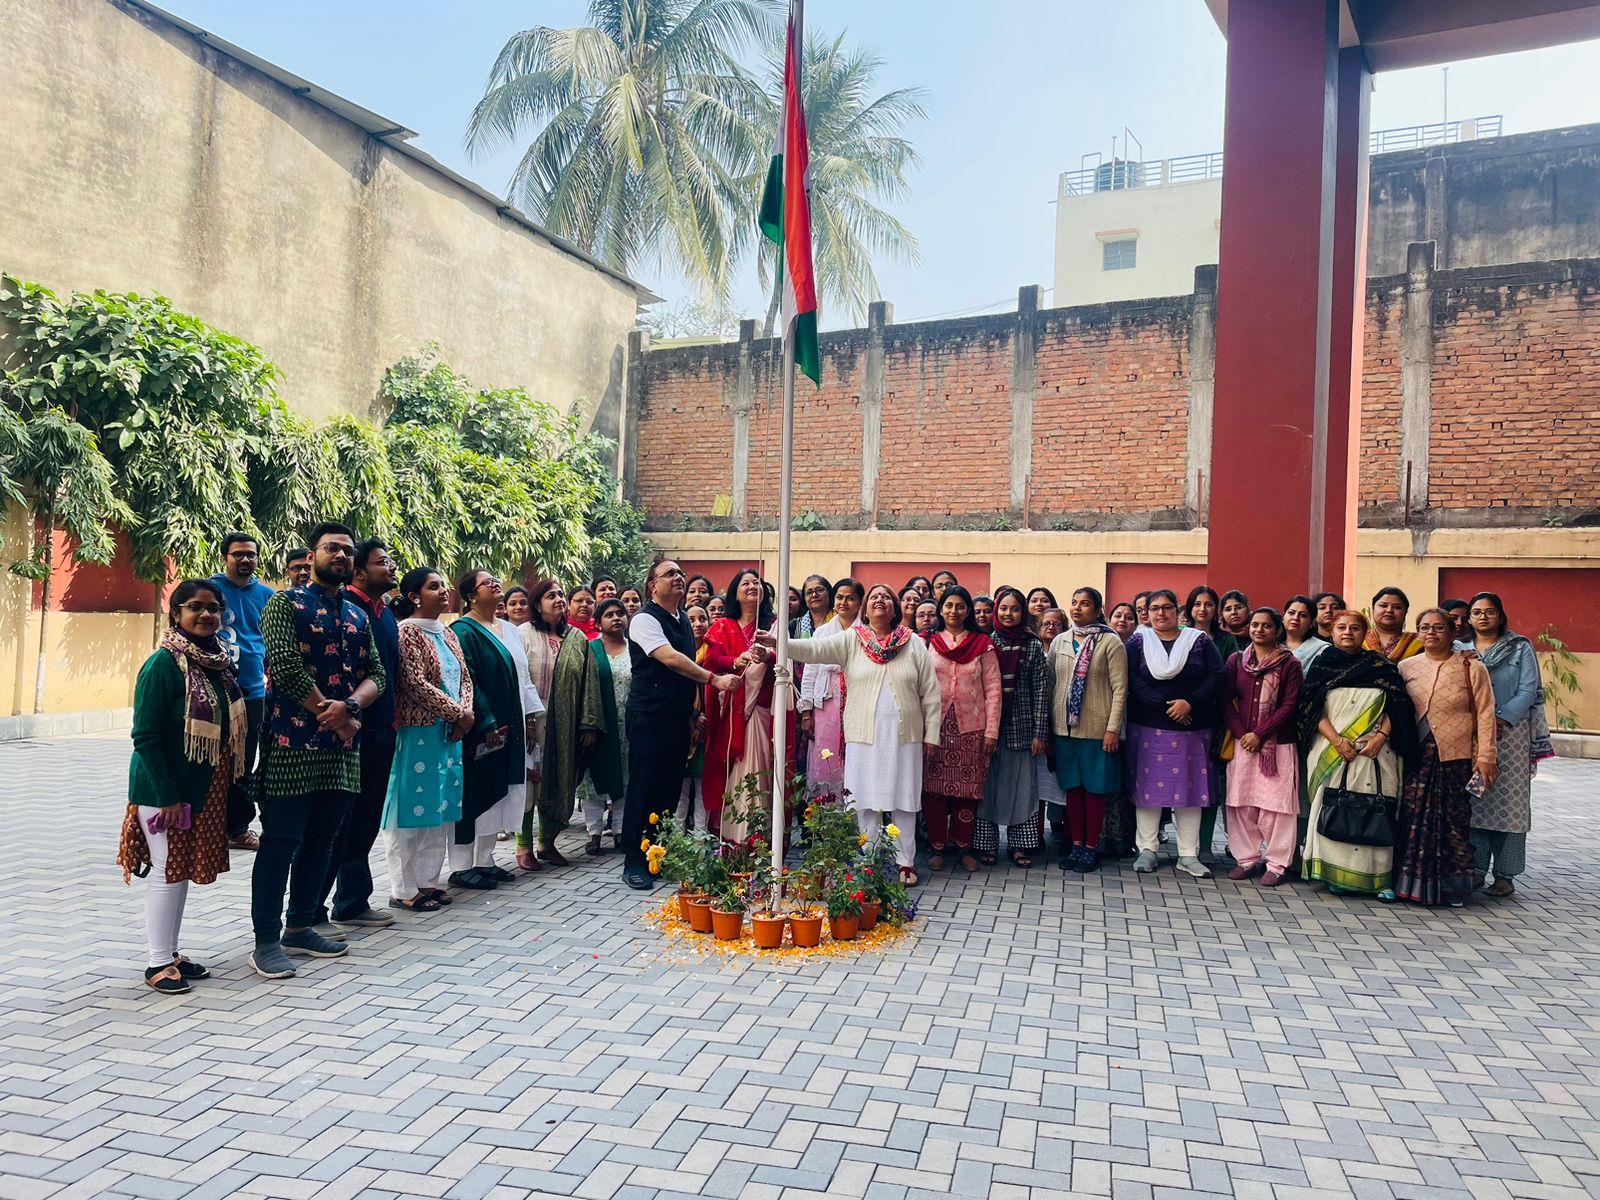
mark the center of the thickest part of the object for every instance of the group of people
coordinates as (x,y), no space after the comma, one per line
(1368,756)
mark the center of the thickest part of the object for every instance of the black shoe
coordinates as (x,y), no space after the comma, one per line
(498,874)
(473,879)
(189,970)
(594,847)
(638,878)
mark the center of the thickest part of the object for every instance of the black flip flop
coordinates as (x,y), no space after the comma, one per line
(423,903)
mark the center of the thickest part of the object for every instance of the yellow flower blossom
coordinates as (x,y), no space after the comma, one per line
(892,830)
(644,844)
(655,819)
(827,754)
(863,839)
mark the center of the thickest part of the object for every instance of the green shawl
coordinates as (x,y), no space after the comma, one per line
(604,760)
(573,705)
(496,701)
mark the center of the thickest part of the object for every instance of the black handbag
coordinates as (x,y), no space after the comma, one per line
(1356,818)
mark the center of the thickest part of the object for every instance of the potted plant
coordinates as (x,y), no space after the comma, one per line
(881,874)
(766,923)
(844,909)
(727,912)
(805,920)
(676,853)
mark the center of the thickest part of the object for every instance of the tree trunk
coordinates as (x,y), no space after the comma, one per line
(44,610)
(158,612)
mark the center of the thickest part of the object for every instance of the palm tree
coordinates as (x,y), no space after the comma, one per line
(637,129)
(858,157)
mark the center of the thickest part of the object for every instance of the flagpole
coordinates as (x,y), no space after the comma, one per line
(782,692)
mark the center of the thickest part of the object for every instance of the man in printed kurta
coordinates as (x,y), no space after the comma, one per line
(323,670)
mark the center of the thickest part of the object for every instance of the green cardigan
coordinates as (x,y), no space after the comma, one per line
(160,773)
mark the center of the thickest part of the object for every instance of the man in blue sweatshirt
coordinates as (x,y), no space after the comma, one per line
(243,598)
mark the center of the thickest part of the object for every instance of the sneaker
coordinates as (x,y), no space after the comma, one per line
(270,962)
(367,916)
(638,878)
(1090,861)
(472,878)
(1194,867)
(1145,863)
(330,931)
(498,874)
(311,944)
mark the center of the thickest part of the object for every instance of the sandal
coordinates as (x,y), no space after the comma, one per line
(1020,859)
(935,861)
(439,894)
(527,861)
(190,970)
(167,980)
(552,856)
(421,902)
(248,840)
(593,848)
(970,863)
(908,877)
(1501,888)
(987,860)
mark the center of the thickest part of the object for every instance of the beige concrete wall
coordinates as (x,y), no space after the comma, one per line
(137,159)
(1063,561)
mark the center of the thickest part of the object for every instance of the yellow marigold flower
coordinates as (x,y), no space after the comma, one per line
(892,830)
(863,839)
(655,866)
(644,844)
(655,819)
(827,754)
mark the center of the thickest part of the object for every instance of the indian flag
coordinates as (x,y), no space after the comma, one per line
(786,208)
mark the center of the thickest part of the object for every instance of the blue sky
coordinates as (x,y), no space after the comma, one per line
(1017,91)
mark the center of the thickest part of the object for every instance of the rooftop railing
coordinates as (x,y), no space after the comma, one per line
(1123,174)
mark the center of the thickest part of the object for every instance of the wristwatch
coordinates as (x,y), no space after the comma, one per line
(354,708)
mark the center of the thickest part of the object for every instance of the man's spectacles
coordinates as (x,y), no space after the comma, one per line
(337,551)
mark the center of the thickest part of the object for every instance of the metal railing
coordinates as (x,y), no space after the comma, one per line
(1123,174)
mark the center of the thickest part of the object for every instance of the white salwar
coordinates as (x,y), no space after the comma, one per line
(885,775)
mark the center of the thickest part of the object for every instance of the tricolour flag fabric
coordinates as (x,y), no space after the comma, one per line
(786,208)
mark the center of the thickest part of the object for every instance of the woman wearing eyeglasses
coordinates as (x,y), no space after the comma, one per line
(188,748)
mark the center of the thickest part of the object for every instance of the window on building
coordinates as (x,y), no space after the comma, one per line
(1121,255)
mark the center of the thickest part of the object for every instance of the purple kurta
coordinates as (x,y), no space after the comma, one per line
(1171,768)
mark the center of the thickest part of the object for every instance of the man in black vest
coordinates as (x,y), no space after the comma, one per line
(660,711)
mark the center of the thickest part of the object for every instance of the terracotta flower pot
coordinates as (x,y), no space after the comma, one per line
(869,914)
(726,926)
(805,931)
(687,897)
(767,929)
(700,914)
(844,929)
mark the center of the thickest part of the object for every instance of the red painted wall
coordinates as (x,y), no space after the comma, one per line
(87,588)
(719,570)
(974,576)
(1568,598)
(1126,580)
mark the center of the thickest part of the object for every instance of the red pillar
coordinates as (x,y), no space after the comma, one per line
(1274,299)
(1347,324)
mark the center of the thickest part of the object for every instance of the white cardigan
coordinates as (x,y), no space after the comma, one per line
(909,674)
(820,680)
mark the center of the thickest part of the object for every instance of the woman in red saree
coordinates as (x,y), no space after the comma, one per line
(739,723)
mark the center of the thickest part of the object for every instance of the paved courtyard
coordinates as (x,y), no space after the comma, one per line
(1044,1035)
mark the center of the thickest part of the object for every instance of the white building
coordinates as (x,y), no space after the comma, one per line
(1127,230)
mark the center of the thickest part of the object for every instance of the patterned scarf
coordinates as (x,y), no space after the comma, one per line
(971,647)
(882,652)
(1090,635)
(1404,646)
(1540,746)
(202,731)
(1009,647)
(1270,673)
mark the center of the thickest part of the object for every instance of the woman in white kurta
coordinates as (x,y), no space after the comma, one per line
(508,813)
(892,708)
(822,694)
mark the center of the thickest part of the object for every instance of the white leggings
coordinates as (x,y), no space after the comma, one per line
(905,819)
(415,857)
(163,901)
(692,800)
(595,821)
(1185,820)
(477,853)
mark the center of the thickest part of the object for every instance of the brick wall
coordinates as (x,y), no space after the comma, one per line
(1501,428)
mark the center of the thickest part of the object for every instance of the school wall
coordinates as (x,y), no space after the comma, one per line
(1072,446)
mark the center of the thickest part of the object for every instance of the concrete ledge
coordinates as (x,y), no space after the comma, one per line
(44,725)
(1582,744)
